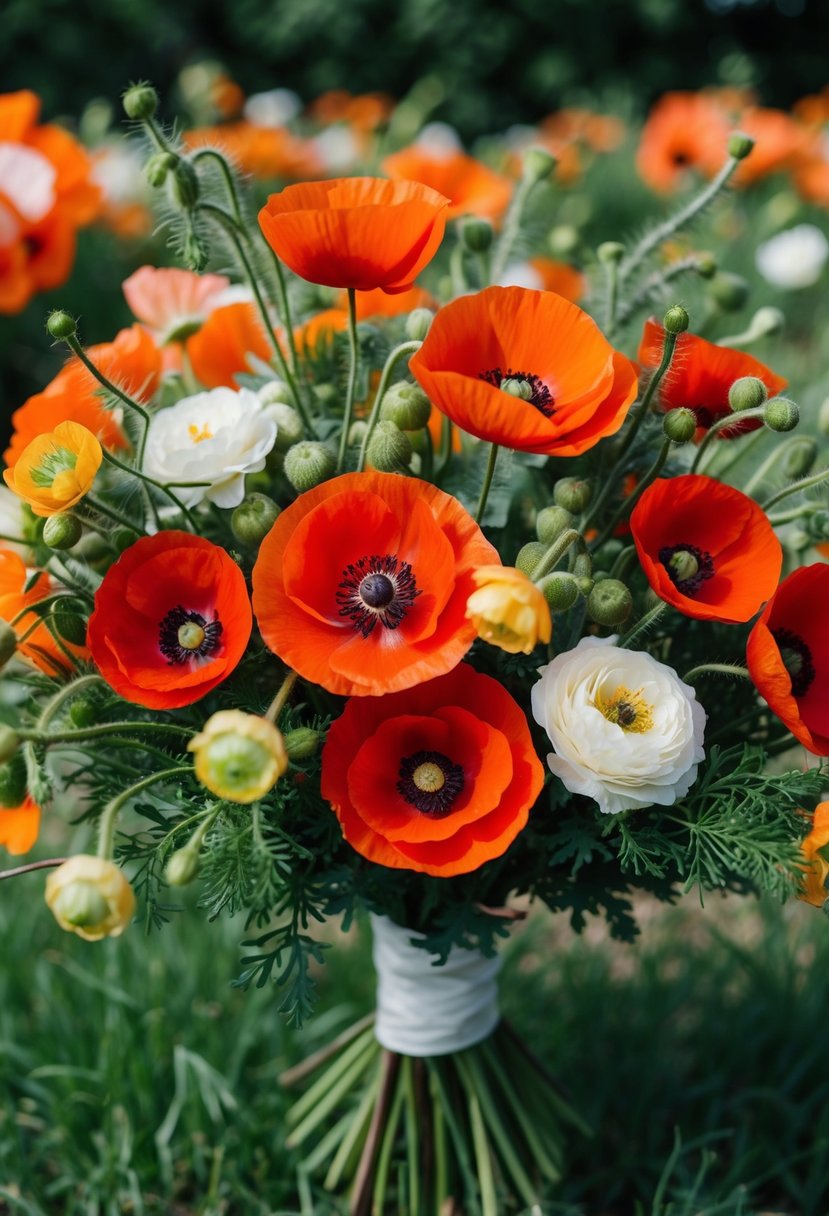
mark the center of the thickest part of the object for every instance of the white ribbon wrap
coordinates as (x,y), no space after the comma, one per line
(423,1010)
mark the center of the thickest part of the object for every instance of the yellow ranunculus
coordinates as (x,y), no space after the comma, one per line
(90,896)
(239,756)
(508,610)
(816,867)
(57,469)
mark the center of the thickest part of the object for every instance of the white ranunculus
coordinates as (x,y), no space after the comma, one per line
(215,438)
(794,258)
(626,731)
(275,108)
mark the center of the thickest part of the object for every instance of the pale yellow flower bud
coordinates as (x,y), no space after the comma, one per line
(239,756)
(508,610)
(90,896)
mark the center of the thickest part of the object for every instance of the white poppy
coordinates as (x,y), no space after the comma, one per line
(627,731)
(794,258)
(214,438)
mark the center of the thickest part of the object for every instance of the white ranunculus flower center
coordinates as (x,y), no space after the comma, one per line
(627,732)
(214,438)
(794,258)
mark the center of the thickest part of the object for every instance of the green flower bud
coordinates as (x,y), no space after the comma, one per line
(184,185)
(81,713)
(9,742)
(183,866)
(406,405)
(583,565)
(326,394)
(799,455)
(585,584)
(81,904)
(572,493)
(529,556)
(8,643)
(309,464)
(389,448)
(253,519)
(747,393)
(275,392)
(158,166)
(418,324)
(302,743)
(69,623)
(781,414)
(13,781)
(62,531)
(140,102)
(818,525)
(680,425)
(538,164)
(706,266)
(194,253)
(610,253)
(609,603)
(357,432)
(476,234)
(563,239)
(289,427)
(124,538)
(729,291)
(676,320)
(739,145)
(767,320)
(560,591)
(550,523)
(60,325)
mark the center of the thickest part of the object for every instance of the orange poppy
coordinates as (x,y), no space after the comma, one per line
(811,172)
(172,619)
(361,585)
(439,778)
(226,343)
(706,549)
(816,867)
(40,648)
(267,153)
(357,232)
(684,132)
(19,826)
(472,187)
(601,132)
(574,387)
(700,375)
(132,361)
(365,111)
(788,656)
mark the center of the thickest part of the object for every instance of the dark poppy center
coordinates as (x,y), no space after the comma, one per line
(681,159)
(524,385)
(184,635)
(688,567)
(430,782)
(376,590)
(797,659)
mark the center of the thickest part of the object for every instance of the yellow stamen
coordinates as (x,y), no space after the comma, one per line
(626,709)
(429,778)
(198,435)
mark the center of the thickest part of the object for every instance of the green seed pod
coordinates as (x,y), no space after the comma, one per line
(406,405)
(183,866)
(158,166)
(302,743)
(289,428)
(389,448)
(9,742)
(184,185)
(418,324)
(140,102)
(680,425)
(538,164)
(573,494)
(62,531)
(560,591)
(781,414)
(609,603)
(516,388)
(60,325)
(747,393)
(253,519)
(476,234)
(729,291)
(610,253)
(799,455)
(676,320)
(309,464)
(550,523)
(275,392)
(529,556)
(82,713)
(13,781)
(124,538)
(357,432)
(585,584)
(740,145)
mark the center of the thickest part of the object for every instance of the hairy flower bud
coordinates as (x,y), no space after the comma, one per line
(676,320)
(781,414)
(158,166)
(289,426)
(799,455)
(62,531)
(529,556)
(302,743)
(573,494)
(183,866)
(60,325)
(740,145)
(275,392)
(610,253)
(476,234)
(406,405)
(747,393)
(729,291)
(706,265)
(551,522)
(563,239)
(194,253)
(538,164)
(9,742)
(418,324)
(309,464)
(184,185)
(680,425)
(253,519)
(140,102)
(583,565)
(13,781)
(609,603)
(389,448)
(560,591)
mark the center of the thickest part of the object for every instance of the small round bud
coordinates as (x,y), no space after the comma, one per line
(309,464)
(158,166)
(729,291)
(70,624)
(13,781)
(676,320)
(123,538)
(82,713)
(550,523)
(563,239)
(560,591)
(238,756)
(9,742)
(476,234)
(140,102)
(538,164)
(389,448)
(302,743)
(767,320)
(781,414)
(406,405)
(62,531)
(680,425)
(60,325)
(747,393)
(253,519)
(585,584)
(275,392)
(418,324)
(357,432)
(572,493)
(739,145)
(184,185)
(610,253)
(609,603)
(183,866)
(8,643)
(706,266)
(818,525)
(194,253)
(90,896)
(529,556)
(289,428)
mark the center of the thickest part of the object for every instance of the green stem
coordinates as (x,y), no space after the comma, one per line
(47,599)
(652,285)
(445,446)
(457,272)
(106,828)
(353,368)
(405,348)
(483,1153)
(285,310)
(65,694)
(276,706)
(785,517)
(555,553)
(642,625)
(111,513)
(622,566)
(48,864)
(746,445)
(803,483)
(488,475)
(75,346)
(726,669)
(612,298)
(104,729)
(627,504)
(511,228)
(150,481)
(722,424)
(227,176)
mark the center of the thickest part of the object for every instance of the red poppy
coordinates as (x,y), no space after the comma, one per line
(576,388)
(172,619)
(788,656)
(19,590)
(361,585)
(439,778)
(360,232)
(706,549)
(472,187)
(683,132)
(700,376)
(19,826)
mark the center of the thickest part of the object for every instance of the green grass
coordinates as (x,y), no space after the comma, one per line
(133,1079)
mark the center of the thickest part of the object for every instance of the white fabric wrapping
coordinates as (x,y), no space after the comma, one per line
(423,1010)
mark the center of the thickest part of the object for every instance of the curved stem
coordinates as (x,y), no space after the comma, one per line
(105,728)
(722,424)
(803,483)
(109,817)
(105,509)
(277,704)
(285,309)
(642,625)
(227,175)
(556,552)
(511,228)
(488,475)
(353,368)
(49,863)
(405,348)
(653,284)
(66,693)
(726,669)
(627,504)
(125,468)
(76,348)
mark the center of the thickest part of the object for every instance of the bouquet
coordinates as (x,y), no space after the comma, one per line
(352,580)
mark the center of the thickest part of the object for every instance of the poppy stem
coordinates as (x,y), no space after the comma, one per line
(556,552)
(278,703)
(103,729)
(150,481)
(64,694)
(723,424)
(803,483)
(109,816)
(47,599)
(105,509)
(404,349)
(627,504)
(488,475)
(76,348)
(512,226)
(214,154)
(49,863)
(651,286)
(726,669)
(642,626)
(353,368)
